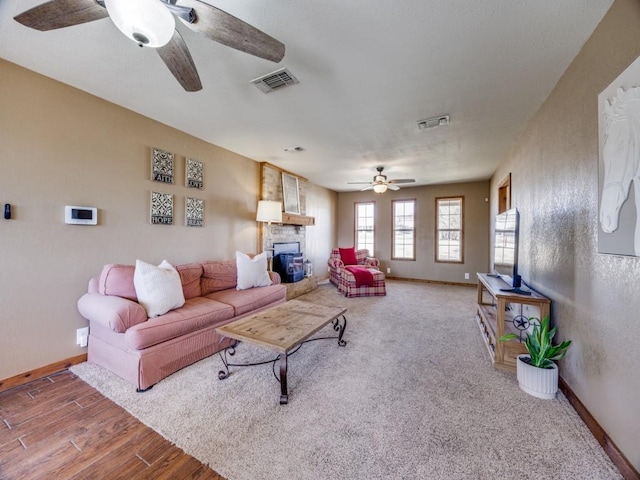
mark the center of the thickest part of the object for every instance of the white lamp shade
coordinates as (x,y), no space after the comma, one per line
(380,188)
(269,211)
(149,23)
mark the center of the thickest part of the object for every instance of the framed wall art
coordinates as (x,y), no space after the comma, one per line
(194,177)
(290,193)
(161,208)
(619,164)
(162,166)
(194,212)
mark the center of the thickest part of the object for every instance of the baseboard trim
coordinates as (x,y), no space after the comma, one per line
(611,449)
(41,372)
(438,282)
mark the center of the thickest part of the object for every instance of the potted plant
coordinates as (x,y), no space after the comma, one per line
(537,372)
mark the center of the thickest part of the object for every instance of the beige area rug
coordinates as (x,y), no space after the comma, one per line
(413,395)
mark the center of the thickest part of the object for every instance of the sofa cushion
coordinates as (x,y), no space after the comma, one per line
(159,289)
(218,275)
(190,275)
(116,279)
(195,314)
(252,272)
(244,301)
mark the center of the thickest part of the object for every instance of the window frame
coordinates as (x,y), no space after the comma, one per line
(393,228)
(438,229)
(356,230)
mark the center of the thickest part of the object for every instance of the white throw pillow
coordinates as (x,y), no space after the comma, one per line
(252,272)
(158,289)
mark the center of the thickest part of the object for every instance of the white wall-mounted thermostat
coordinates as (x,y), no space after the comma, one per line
(80,215)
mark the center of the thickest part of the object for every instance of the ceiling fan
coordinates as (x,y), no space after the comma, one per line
(380,184)
(151,23)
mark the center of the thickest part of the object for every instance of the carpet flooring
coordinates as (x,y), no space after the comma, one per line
(413,395)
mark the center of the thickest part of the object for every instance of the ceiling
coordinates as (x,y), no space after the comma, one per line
(369,70)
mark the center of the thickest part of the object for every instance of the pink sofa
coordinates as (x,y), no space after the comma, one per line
(144,350)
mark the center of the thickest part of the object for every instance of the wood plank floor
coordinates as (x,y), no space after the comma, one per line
(60,427)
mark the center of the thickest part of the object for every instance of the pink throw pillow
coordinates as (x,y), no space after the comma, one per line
(348,256)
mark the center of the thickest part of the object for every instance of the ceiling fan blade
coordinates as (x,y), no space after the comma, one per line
(224,28)
(177,58)
(368,187)
(402,180)
(358,183)
(61,13)
(391,186)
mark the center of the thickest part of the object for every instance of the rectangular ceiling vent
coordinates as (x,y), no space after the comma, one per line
(275,80)
(440,121)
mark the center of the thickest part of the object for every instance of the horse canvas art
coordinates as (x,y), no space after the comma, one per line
(619,203)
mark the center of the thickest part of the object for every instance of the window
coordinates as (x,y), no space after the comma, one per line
(404,232)
(364,226)
(449,232)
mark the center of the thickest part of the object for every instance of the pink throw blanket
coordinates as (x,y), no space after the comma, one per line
(364,277)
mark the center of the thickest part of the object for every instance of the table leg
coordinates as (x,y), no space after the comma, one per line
(284,396)
(340,328)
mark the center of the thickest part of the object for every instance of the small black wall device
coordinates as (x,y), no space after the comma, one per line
(7,211)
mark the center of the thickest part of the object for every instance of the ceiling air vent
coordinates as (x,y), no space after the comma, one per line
(275,80)
(440,121)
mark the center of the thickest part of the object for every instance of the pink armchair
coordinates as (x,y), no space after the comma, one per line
(345,280)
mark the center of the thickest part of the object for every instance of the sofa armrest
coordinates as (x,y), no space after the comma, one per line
(372,262)
(275,278)
(114,312)
(335,263)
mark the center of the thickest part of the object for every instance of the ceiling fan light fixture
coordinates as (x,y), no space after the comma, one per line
(149,23)
(380,188)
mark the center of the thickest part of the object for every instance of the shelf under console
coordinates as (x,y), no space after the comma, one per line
(498,313)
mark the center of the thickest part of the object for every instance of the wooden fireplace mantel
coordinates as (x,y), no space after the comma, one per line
(301,220)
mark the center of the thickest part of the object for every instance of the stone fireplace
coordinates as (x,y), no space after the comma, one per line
(293,227)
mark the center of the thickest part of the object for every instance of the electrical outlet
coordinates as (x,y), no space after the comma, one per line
(82,336)
(466,276)
(388,270)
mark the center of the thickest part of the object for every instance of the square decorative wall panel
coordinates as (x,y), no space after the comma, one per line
(194,212)
(194,177)
(161,208)
(162,166)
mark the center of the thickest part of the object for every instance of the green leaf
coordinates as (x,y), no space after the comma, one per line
(540,346)
(507,336)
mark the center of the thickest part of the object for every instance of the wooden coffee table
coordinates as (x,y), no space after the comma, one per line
(282,329)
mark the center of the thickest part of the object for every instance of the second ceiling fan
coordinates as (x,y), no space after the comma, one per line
(151,23)
(380,183)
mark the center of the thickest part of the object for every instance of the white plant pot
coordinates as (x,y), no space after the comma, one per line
(539,382)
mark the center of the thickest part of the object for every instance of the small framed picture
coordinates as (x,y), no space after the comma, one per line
(162,166)
(194,177)
(290,193)
(194,212)
(161,208)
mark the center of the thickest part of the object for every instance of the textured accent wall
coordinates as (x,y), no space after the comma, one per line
(554,168)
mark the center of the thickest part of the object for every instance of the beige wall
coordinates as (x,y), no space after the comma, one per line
(322,237)
(554,170)
(60,146)
(476,233)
